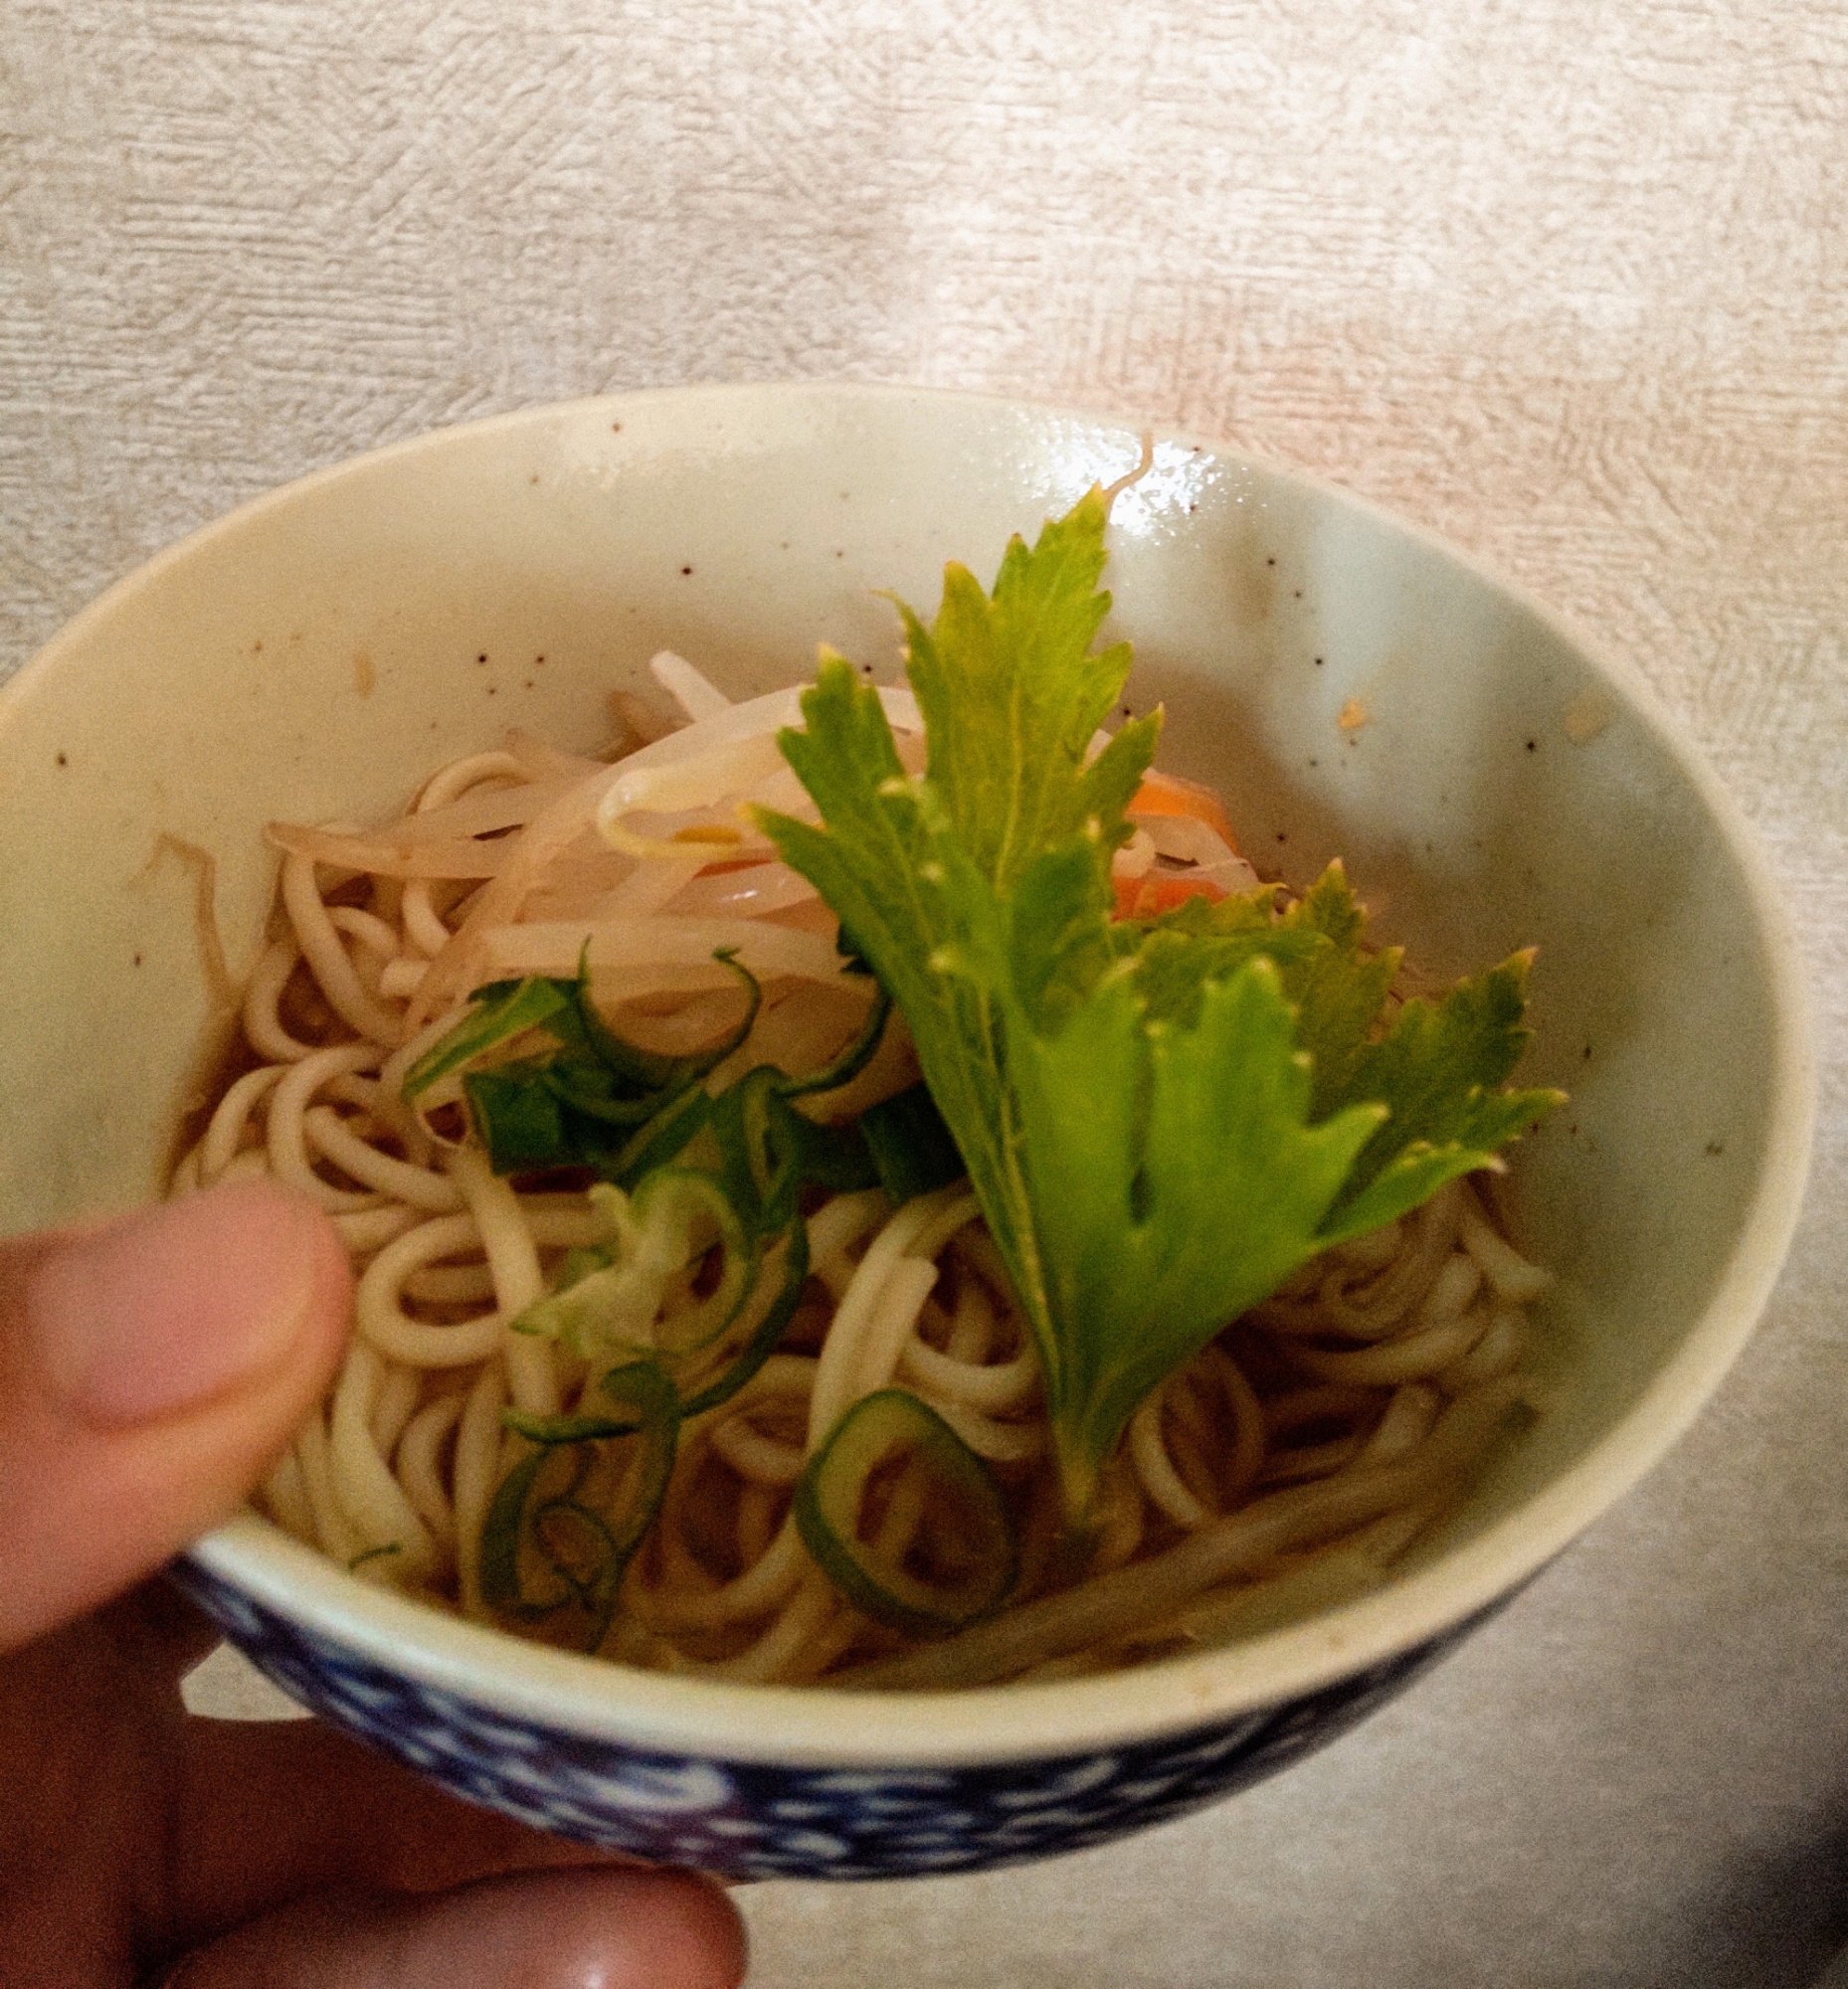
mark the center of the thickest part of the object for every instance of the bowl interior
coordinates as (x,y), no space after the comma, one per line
(1351,688)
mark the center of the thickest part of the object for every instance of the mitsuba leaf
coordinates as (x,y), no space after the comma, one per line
(1008,744)
(1438,1071)
(1162,1119)
(1339,988)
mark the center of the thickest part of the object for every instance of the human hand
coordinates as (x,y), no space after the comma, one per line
(150,1371)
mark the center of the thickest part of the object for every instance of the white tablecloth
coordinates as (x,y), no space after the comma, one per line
(1562,279)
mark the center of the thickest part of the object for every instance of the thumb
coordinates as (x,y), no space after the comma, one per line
(152,1370)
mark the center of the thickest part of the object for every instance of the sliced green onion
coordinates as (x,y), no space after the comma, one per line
(759,1324)
(567,1429)
(590,1088)
(594,1099)
(755,1173)
(768,1149)
(650,1070)
(519,1120)
(682,1214)
(777,1278)
(674,1218)
(504,1010)
(956,1558)
(579,1263)
(911,1147)
(565,1521)
(851,1060)
(663,1138)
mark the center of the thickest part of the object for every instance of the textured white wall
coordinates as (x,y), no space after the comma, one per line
(1562,279)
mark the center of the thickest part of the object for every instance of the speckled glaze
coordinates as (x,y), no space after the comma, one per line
(770,1820)
(1354,688)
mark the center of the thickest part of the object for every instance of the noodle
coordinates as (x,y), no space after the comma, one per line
(1284,1467)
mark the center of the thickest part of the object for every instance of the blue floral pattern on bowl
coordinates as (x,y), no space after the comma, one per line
(746,1819)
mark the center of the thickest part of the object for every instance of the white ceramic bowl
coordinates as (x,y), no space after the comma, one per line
(311,655)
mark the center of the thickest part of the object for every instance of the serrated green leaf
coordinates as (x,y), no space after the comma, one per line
(1438,1071)
(1176,1179)
(1008,746)
(1164,1120)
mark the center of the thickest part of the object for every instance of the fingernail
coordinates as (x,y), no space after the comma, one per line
(168,1308)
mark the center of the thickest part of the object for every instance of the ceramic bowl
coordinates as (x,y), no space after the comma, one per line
(1352,687)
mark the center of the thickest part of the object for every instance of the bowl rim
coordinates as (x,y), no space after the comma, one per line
(805,1725)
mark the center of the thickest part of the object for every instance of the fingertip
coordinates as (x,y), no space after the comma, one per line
(586,1927)
(614,1927)
(713,1928)
(296,1807)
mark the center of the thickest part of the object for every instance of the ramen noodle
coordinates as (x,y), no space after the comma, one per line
(1286,1466)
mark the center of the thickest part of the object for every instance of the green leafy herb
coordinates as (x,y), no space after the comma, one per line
(1162,1121)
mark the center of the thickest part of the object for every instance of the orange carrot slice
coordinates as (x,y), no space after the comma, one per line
(1156,892)
(1168,794)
